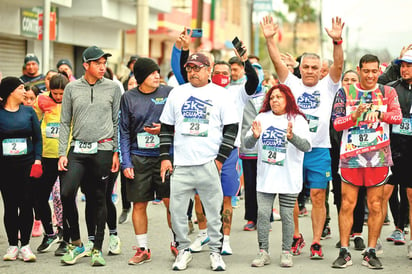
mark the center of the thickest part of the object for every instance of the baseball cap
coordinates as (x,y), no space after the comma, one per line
(198,59)
(132,58)
(93,53)
(407,57)
(64,62)
(31,57)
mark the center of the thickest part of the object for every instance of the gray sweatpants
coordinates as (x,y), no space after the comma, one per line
(183,184)
(265,206)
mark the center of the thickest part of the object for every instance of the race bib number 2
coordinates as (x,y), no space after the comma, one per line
(14,147)
(146,140)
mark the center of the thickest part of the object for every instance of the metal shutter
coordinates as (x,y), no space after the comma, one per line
(12,52)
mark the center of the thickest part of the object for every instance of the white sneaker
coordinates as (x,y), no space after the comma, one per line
(200,241)
(216,262)
(11,254)
(286,259)
(261,259)
(378,248)
(27,254)
(226,249)
(114,245)
(184,257)
(410,250)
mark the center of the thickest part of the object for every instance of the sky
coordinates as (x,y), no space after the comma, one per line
(376,24)
(369,24)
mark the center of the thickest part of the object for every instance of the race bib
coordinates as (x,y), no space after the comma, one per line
(85,147)
(274,146)
(404,128)
(313,122)
(146,140)
(364,137)
(14,147)
(52,130)
(195,127)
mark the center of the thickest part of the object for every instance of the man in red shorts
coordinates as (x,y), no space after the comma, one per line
(363,112)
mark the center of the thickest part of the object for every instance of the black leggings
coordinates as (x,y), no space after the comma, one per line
(42,189)
(111,208)
(97,166)
(17,199)
(249,176)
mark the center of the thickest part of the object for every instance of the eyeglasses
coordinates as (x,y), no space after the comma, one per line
(194,68)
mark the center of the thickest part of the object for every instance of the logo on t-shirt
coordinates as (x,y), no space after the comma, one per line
(274,146)
(309,101)
(274,137)
(196,108)
(159,101)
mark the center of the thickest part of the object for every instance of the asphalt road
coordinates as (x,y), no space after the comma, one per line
(244,245)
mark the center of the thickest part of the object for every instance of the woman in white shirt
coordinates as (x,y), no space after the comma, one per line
(281,132)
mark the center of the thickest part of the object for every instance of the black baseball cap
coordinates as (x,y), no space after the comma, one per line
(94,53)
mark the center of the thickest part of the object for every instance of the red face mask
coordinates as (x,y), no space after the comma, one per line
(221,80)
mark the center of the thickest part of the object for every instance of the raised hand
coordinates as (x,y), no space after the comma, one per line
(269,28)
(336,31)
(256,129)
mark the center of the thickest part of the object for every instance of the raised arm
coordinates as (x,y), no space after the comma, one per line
(270,29)
(336,34)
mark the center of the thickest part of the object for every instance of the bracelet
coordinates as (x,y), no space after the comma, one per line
(338,42)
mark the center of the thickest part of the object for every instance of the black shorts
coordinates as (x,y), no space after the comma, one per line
(400,172)
(147,181)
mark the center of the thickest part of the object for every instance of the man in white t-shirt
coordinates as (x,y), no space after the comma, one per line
(201,123)
(315,98)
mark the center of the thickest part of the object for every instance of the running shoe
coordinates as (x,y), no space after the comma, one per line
(316,251)
(344,259)
(262,259)
(216,262)
(11,255)
(114,245)
(73,254)
(26,254)
(276,215)
(47,242)
(359,243)
(61,250)
(303,212)
(250,226)
(286,259)
(198,244)
(326,233)
(391,236)
(37,229)
(297,245)
(182,260)
(97,258)
(88,248)
(226,249)
(142,256)
(371,261)
(124,216)
(399,237)
(156,202)
(235,201)
(173,249)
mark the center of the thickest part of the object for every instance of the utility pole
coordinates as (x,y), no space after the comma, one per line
(46,36)
(142,27)
(199,21)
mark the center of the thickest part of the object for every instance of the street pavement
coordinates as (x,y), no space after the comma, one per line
(244,245)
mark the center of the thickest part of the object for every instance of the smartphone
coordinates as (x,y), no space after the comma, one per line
(238,46)
(148,125)
(196,33)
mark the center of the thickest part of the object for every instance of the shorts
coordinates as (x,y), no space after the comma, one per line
(317,168)
(230,175)
(366,176)
(400,172)
(147,181)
